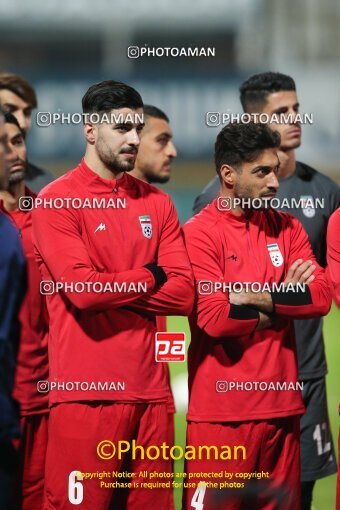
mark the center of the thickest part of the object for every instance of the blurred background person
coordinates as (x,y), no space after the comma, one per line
(32,360)
(12,287)
(18,97)
(156,151)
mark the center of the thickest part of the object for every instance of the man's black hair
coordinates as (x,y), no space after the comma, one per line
(254,91)
(19,86)
(237,143)
(10,119)
(153,111)
(109,95)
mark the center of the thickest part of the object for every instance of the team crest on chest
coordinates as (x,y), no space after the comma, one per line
(146,226)
(308,208)
(275,254)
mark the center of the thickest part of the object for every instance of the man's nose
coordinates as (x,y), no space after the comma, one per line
(133,138)
(273,181)
(171,152)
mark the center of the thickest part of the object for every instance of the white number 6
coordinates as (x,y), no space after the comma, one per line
(75,488)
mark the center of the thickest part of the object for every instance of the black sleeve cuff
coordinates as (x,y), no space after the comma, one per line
(243,313)
(158,273)
(291,298)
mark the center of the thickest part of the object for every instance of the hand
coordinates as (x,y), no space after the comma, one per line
(270,322)
(265,322)
(259,300)
(238,298)
(300,272)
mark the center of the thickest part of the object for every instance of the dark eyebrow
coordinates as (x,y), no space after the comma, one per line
(260,167)
(18,135)
(130,125)
(166,135)
(123,124)
(286,107)
(10,105)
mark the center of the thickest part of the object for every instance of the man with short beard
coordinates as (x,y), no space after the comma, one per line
(105,339)
(12,287)
(32,360)
(275,94)
(246,336)
(156,151)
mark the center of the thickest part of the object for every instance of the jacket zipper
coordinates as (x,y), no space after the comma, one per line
(251,246)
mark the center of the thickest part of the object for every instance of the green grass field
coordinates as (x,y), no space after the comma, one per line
(324,494)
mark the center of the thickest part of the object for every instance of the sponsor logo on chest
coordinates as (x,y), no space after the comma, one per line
(170,347)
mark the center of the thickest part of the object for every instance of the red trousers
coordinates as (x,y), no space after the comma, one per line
(75,431)
(272,447)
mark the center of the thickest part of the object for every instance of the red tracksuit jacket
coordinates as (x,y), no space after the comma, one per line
(224,247)
(32,360)
(333,254)
(110,337)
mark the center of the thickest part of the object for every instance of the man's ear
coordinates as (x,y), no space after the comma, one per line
(90,133)
(228,175)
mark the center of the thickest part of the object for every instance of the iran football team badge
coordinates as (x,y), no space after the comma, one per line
(307,203)
(146,226)
(275,254)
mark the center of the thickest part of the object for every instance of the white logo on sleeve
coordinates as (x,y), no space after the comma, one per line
(146,226)
(101,226)
(275,254)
